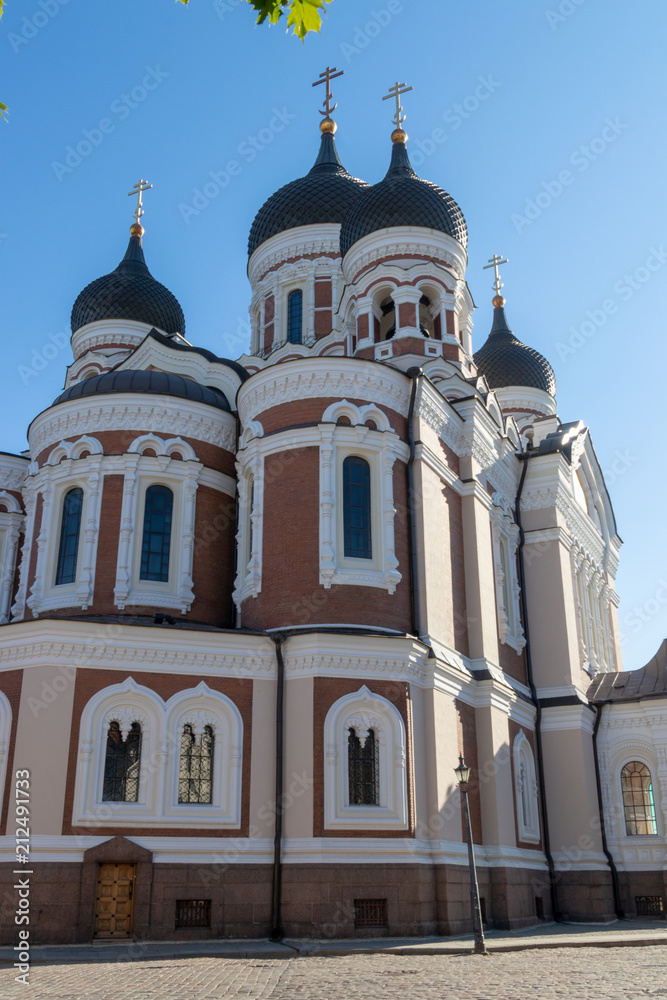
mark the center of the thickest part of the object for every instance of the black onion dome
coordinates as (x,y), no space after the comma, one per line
(503,360)
(324,195)
(129,292)
(403,199)
(145,382)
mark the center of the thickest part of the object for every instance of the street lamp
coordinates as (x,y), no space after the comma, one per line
(462,773)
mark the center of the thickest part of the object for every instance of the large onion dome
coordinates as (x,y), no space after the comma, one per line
(504,360)
(402,199)
(151,383)
(130,292)
(324,195)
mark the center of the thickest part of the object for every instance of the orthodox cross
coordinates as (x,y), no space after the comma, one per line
(494,262)
(396,92)
(329,74)
(138,189)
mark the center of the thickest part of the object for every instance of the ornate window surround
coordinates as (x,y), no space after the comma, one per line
(627,756)
(525,789)
(380,447)
(505,535)
(66,470)
(11,526)
(363,711)
(181,476)
(250,473)
(5,734)
(162,724)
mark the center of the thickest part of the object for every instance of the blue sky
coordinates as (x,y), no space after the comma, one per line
(545,119)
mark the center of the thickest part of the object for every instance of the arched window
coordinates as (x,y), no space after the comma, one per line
(525,779)
(195,776)
(121,764)
(69,537)
(295,316)
(357,534)
(156,542)
(638,804)
(363,766)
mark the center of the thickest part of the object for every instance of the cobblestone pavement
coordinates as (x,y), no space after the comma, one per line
(573,973)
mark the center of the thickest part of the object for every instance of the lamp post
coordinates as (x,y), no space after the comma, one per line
(462,773)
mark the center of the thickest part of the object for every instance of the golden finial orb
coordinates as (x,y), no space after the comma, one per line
(328,125)
(136,229)
(399,135)
(498,301)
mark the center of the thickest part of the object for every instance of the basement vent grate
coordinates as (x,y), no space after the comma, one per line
(650,906)
(370,913)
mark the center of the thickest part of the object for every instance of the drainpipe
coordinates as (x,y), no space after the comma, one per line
(236,614)
(614,873)
(276,922)
(546,841)
(414,374)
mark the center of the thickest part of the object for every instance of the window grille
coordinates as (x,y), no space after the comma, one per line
(357,508)
(295,316)
(363,768)
(195,779)
(638,803)
(121,765)
(156,541)
(370,913)
(69,537)
(193,913)
(650,906)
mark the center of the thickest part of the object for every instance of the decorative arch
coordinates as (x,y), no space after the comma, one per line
(74,449)
(10,502)
(357,415)
(364,712)
(525,788)
(162,447)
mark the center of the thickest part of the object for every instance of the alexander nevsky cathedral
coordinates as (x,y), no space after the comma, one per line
(253,611)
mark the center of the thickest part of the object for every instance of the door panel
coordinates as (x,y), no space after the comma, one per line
(114,901)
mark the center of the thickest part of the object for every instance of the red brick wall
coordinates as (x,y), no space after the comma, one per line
(467,740)
(89,682)
(291,592)
(362,326)
(117,443)
(308,412)
(10,685)
(407,314)
(322,293)
(328,690)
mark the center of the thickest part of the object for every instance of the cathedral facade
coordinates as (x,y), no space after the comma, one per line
(252,611)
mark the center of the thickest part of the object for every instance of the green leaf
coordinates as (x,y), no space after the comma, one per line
(305,16)
(3,111)
(273,9)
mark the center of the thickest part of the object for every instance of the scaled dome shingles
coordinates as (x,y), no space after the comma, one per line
(129,293)
(402,198)
(324,195)
(504,360)
(145,382)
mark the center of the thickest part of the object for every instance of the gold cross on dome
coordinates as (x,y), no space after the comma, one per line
(495,262)
(329,74)
(396,92)
(138,189)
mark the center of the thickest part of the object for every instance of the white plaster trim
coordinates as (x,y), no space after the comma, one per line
(300,241)
(567,717)
(5,736)
(11,526)
(413,241)
(13,470)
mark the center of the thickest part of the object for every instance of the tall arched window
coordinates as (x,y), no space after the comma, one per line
(69,537)
(195,776)
(638,804)
(363,766)
(295,316)
(156,542)
(122,764)
(357,533)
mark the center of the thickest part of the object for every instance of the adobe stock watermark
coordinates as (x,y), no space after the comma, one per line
(248,150)
(224,7)
(121,109)
(365,33)
(581,159)
(454,118)
(54,344)
(625,289)
(565,10)
(33,24)
(644,613)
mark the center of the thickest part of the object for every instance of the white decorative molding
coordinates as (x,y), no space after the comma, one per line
(74,449)
(524,398)
(364,711)
(432,246)
(321,241)
(505,535)
(11,525)
(525,785)
(13,471)
(103,332)
(161,728)
(250,532)
(5,737)
(126,412)
(580,526)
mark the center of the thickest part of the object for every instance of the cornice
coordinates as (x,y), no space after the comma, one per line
(579,525)
(300,241)
(184,418)
(431,245)
(13,472)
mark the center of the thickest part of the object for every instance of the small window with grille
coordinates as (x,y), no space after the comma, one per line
(650,906)
(363,762)
(122,764)
(370,913)
(193,913)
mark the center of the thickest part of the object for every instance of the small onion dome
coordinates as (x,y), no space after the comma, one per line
(503,360)
(129,292)
(147,383)
(324,195)
(403,199)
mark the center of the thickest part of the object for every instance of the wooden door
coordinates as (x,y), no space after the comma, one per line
(114,901)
